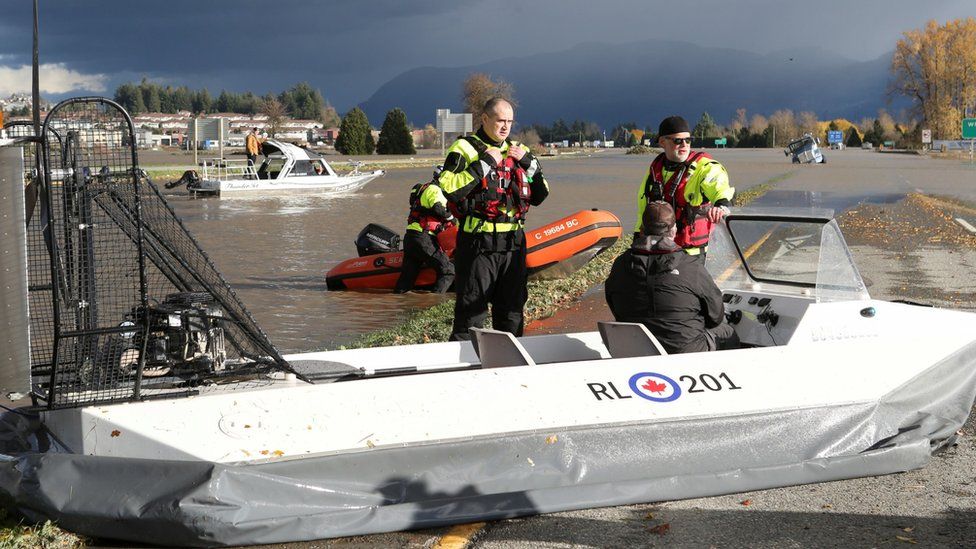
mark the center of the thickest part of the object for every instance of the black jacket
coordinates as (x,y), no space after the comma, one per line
(669,291)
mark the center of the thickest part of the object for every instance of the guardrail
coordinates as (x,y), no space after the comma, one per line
(221,169)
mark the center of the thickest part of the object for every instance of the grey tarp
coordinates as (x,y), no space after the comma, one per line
(185,503)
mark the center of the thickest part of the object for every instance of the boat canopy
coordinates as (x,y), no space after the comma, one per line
(800,252)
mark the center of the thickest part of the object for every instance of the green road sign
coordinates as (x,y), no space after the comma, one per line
(969,128)
(723,141)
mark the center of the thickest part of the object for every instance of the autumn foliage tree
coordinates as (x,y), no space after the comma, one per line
(275,111)
(478,88)
(936,68)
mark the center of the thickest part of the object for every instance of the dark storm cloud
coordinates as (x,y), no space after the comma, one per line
(349,47)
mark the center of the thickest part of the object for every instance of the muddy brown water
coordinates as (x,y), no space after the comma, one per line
(276,250)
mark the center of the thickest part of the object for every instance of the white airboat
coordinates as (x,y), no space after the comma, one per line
(828,384)
(286,168)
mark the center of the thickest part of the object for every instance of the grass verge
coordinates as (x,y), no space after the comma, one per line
(15,535)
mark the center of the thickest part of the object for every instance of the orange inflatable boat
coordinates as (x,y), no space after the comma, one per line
(554,250)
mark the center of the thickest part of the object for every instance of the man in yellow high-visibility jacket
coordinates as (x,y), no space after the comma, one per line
(491,181)
(692,182)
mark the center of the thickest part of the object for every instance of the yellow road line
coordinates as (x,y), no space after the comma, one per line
(746,254)
(459,537)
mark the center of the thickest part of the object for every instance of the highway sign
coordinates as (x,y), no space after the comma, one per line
(835,136)
(969,128)
(926,136)
(722,141)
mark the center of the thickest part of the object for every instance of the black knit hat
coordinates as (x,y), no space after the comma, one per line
(672,125)
(658,218)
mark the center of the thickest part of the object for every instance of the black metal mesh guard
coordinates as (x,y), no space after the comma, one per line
(104,250)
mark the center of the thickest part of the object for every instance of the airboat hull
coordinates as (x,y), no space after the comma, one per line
(848,396)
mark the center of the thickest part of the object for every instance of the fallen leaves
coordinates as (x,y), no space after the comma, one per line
(552,439)
(116,433)
(660,529)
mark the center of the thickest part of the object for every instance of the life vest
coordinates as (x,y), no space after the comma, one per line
(425,217)
(503,194)
(692,222)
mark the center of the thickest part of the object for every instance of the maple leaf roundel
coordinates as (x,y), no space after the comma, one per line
(654,387)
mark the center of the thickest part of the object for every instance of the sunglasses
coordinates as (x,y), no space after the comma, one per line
(680,140)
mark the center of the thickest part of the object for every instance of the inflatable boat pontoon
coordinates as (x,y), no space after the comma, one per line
(554,250)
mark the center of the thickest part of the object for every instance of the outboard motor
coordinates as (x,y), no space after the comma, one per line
(190,178)
(376,239)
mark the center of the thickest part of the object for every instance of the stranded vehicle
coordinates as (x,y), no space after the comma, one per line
(805,150)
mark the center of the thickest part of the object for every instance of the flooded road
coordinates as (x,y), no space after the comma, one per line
(275,251)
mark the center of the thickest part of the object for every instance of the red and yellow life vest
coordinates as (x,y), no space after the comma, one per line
(425,217)
(692,222)
(503,195)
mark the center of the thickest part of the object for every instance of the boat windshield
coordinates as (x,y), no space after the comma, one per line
(805,255)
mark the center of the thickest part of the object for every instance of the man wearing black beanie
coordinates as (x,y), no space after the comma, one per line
(693,183)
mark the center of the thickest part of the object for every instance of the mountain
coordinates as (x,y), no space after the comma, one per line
(645,81)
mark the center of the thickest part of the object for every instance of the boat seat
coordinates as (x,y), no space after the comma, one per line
(629,339)
(498,349)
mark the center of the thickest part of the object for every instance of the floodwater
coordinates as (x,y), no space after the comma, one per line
(276,250)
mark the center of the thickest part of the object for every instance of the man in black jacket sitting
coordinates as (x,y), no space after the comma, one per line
(668,291)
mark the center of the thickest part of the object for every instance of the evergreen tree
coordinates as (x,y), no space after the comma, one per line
(202,101)
(878,130)
(853,138)
(303,101)
(225,102)
(395,137)
(705,127)
(249,104)
(154,103)
(354,134)
(129,96)
(183,99)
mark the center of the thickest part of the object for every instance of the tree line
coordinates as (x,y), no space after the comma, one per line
(300,101)
(934,66)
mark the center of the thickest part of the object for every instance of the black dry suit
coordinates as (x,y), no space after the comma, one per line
(491,199)
(657,284)
(428,214)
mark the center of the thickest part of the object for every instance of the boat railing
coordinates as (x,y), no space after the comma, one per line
(221,169)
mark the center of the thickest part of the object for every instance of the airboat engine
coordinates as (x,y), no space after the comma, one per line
(185,336)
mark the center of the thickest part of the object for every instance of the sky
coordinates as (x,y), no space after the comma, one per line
(348,48)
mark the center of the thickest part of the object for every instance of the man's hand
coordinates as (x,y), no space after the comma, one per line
(495,155)
(516,152)
(716,213)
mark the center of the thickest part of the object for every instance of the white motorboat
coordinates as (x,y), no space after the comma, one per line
(171,419)
(286,168)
